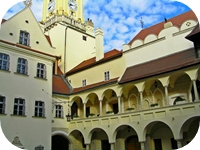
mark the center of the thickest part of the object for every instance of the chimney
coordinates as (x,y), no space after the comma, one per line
(99,45)
(167,24)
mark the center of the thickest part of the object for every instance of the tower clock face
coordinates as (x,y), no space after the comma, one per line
(51,6)
(72,5)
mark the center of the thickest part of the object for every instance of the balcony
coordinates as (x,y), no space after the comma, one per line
(166,114)
(52,21)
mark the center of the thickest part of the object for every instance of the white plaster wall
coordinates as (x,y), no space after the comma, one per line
(18,22)
(77,50)
(169,44)
(31,131)
(96,74)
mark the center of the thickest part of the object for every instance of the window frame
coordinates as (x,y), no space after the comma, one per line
(84,38)
(107,75)
(4,62)
(39,110)
(59,111)
(84,82)
(20,110)
(41,71)
(2,104)
(22,68)
(24,38)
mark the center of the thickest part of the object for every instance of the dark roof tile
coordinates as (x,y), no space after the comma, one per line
(159,66)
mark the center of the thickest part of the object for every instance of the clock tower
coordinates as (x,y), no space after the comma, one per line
(72,38)
(68,11)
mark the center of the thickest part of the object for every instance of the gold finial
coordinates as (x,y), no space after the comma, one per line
(28,3)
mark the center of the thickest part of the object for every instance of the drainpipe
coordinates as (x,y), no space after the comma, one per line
(65,48)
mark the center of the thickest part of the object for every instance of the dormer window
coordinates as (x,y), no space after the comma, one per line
(24,38)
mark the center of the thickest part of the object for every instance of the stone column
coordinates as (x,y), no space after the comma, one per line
(195,90)
(166,95)
(119,104)
(141,100)
(100,107)
(84,110)
(112,146)
(142,145)
(87,146)
(179,144)
(122,106)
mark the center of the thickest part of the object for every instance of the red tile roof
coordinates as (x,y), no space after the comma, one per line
(3,20)
(155,29)
(48,39)
(59,85)
(59,72)
(92,62)
(95,85)
(161,65)
(29,49)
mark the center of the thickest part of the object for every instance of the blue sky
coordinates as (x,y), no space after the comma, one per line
(119,19)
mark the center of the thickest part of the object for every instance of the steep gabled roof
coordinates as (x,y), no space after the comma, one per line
(92,62)
(47,37)
(3,20)
(14,20)
(159,66)
(60,86)
(155,29)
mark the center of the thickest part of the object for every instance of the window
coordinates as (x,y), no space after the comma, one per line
(19,107)
(84,82)
(22,66)
(39,109)
(107,75)
(41,70)
(84,38)
(2,104)
(24,38)
(4,61)
(59,111)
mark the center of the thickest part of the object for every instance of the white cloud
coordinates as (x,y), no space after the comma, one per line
(119,20)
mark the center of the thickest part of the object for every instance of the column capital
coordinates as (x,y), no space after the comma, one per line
(178,139)
(194,79)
